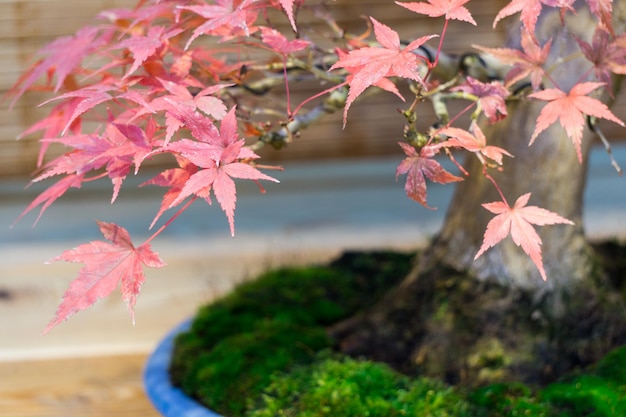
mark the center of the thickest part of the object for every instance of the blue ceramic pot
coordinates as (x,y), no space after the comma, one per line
(167,399)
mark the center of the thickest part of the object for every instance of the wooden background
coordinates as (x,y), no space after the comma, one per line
(27,25)
(92,366)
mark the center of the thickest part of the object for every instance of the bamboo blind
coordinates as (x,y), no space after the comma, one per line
(27,25)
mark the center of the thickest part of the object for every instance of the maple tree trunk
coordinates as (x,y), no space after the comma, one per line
(550,170)
(494,318)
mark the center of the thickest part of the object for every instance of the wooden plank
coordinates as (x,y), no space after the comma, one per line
(370,132)
(31,24)
(197,272)
(41,18)
(81,387)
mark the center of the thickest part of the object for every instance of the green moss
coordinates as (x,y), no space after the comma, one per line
(318,295)
(587,396)
(258,349)
(613,366)
(272,323)
(240,366)
(351,388)
(510,400)
(600,392)
(299,295)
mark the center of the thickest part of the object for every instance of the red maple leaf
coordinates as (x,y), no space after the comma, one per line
(606,55)
(491,97)
(570,109)
(526,63)
(475,142)
(371,65)
(450,9)
(418,167)
(518,221)
(107,265)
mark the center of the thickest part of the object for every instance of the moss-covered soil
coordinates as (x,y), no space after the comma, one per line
(264,351)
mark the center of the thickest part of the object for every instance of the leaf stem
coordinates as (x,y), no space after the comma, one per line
(495,184)
(171,219)
(288,96)
(313,97)
(439,48)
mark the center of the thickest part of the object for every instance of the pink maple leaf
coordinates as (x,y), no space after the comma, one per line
(117,150)
(526,63)
(139,15)
(128,145)
(280,43)
(518,221)
(54,124)
(371,65)
(606,55)
(180,101)
(143,47)
(62,57)
(107,265)
(450,9)
(220,155)
(288,6)
(603,10)
(383,83)
(491,97)
(475,142)
(85,155)
(51,194)
(530,10)
(225,17)
(175,179)
(418,167)
(570,109)
(89,97)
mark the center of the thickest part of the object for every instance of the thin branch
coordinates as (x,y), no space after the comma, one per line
(301,120)
(591,122)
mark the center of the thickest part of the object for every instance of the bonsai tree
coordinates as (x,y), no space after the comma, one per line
(205,84)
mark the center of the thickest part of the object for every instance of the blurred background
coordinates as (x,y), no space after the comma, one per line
(338,191)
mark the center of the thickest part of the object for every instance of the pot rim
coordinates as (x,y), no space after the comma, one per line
(169,400)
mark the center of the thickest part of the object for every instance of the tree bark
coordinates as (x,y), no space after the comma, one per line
(549,169)
(494,318)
